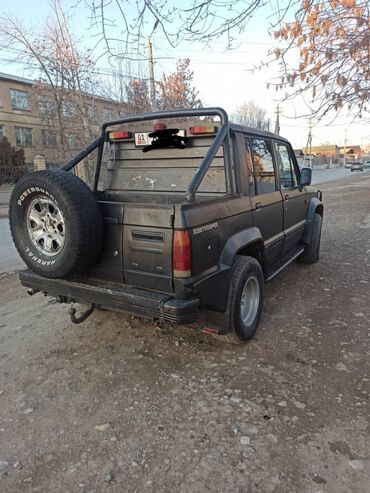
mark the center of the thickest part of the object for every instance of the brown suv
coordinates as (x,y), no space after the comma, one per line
(186,220)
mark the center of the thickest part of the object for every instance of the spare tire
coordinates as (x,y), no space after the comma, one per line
(56,223)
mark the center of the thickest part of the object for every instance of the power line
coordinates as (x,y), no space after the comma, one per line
(98,71)
(220,42)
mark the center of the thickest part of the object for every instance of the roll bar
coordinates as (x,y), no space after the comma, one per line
(223,136)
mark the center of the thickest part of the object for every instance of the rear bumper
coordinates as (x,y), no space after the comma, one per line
(137,301)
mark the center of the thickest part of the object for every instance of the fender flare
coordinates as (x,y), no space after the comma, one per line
(315,206)
(236,242)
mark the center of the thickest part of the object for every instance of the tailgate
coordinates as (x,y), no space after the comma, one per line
(147,246)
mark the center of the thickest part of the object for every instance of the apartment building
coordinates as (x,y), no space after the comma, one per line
(43,123)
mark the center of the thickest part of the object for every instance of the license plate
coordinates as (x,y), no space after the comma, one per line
(143,139)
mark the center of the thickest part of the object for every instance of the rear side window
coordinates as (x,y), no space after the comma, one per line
(251,184)
(285,165)
(263,165)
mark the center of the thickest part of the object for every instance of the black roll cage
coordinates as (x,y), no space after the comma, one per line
(222,137)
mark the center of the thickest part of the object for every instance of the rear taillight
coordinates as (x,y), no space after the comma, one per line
(204,129)
(181,254)
(120,135)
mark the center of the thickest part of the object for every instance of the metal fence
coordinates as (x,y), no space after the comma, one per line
(319,162)
(11,174)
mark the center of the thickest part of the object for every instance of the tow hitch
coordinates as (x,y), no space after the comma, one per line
(86,314)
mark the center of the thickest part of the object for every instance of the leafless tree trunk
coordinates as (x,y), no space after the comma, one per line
(66,73)
(251,115)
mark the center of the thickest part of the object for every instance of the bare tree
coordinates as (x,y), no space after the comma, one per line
(333,42)
(66,74)
(200,20)
(176,90)
(332,38)
(137,94)
(251,115)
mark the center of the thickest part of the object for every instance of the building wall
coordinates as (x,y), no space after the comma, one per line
(328,151)
(33,118)
(11,118)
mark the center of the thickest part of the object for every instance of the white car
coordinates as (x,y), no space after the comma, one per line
(357,166)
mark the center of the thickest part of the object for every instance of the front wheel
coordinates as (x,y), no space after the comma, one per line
(245,299)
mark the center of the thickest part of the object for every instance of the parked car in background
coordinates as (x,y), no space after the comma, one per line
(367,164)
(348,164)
(357,166)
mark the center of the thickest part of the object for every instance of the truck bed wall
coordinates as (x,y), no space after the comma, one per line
(168,170)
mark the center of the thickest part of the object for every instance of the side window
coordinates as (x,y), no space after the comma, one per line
(285,165)
(263,164)
(249,163)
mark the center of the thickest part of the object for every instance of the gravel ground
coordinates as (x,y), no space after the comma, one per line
(119,404)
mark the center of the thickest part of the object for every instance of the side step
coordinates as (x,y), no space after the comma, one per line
(283,262)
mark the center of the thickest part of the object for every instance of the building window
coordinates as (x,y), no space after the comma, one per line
(68,109)
(46,106)
(90,110)
(19,100)
(2,133)
(49,138)
(71,140)
(107,114)
(23,136)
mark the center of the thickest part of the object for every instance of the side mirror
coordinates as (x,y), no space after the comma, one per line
(306,177)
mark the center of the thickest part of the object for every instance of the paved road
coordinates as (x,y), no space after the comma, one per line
(325,175)
(9,258)
(119,404)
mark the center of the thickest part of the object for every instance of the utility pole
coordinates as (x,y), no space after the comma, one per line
(277,121)
(153,98)
(151,75)
(309,143)
(345,147)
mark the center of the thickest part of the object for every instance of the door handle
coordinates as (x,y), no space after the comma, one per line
(258,206)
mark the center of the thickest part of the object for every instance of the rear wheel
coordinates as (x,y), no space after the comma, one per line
(245,300)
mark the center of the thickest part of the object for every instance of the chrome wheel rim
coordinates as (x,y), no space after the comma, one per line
(46,225)
(250,300)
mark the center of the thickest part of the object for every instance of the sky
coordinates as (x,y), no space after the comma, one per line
(223,78)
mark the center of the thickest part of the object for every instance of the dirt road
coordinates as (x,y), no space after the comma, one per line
(124,405)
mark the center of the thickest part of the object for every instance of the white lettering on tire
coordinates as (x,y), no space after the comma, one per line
(32,190)
(37,259)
